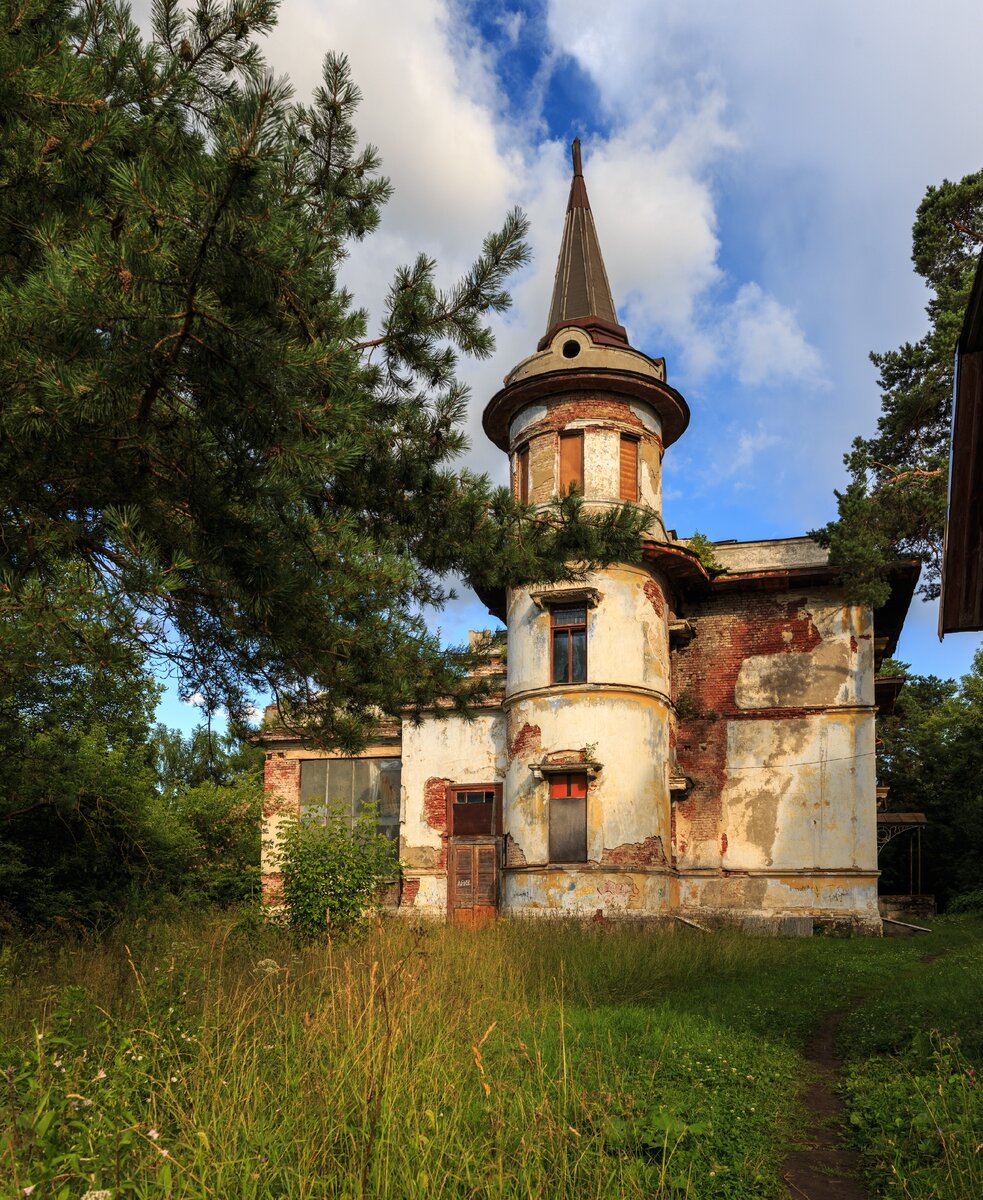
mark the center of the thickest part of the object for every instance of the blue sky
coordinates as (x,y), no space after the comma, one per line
(754,171)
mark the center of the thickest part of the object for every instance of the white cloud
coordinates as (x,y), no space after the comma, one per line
(766,342)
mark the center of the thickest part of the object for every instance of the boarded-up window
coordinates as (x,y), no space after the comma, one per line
(568,817)
(629,468)
(353,785)
(522,474)
(569,649)
(474,809)
(571,462)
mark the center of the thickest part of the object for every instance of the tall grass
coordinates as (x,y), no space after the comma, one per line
(514,1061)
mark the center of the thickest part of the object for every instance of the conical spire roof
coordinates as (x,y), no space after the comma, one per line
(581,292)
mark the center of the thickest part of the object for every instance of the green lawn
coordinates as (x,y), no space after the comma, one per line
(217,1059)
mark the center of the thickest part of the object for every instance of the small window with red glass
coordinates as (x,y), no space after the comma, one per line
(568,817)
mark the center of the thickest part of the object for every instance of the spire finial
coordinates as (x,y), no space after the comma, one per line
(581,293)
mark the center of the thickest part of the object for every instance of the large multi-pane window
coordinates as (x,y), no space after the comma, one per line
(352,785)
(569,644)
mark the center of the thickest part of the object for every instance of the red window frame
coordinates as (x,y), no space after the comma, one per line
(456,789)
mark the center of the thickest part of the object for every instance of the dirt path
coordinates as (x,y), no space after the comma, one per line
(824,1169)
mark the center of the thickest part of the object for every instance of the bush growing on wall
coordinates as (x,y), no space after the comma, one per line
(333,872)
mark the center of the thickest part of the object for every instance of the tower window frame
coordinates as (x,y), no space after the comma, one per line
(522,473)
(571,464)
(568,643)
(628,467)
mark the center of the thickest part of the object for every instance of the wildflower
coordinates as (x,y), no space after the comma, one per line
(30,1188)
(98,1194)
(100,1074)
(165,1153)
(153,1134)
(173,1079)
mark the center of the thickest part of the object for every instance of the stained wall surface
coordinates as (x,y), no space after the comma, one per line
(615,727)
(437,753)
(775,732)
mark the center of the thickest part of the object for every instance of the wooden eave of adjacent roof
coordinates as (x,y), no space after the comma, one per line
(961,604)
(386,733)
(887,688)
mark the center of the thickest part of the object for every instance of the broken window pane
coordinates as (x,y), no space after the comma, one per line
(351,784)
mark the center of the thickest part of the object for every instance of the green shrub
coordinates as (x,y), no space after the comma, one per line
(967,902)
(333,871)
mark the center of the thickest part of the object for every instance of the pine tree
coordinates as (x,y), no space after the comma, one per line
(196,420)
(896,500)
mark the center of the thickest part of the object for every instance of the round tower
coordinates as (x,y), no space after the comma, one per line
(586,804)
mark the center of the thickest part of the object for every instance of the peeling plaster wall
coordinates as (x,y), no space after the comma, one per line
(602,419)
(627,638)
(776,733)
(626,894)
(620,718)
(439,752)
(628,801)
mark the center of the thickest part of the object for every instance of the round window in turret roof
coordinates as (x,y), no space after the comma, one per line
(571,349)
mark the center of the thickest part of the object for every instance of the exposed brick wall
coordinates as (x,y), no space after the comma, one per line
(585,406)
(410,889)
(281,785)
(649,853)
(574,406)
(281,797)
(521,740)
(653,594)
(730,629)
(514,854)
(435,803)
(272,888)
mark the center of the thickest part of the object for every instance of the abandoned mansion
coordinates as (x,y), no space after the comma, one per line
(669,739)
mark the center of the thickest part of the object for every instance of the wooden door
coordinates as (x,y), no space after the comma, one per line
(473,882)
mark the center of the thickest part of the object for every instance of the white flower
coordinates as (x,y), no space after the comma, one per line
(100,1074)
(30,1188)
(153,1134)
